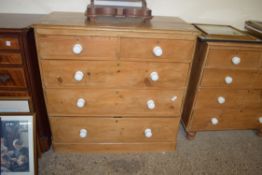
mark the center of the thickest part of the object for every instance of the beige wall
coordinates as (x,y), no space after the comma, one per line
(232,12)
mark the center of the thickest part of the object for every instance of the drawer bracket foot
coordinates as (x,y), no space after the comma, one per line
(259,132)
(190,135)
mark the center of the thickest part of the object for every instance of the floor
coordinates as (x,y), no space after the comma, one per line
(211,153)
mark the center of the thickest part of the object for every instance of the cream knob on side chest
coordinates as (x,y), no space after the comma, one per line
(236,60)
(148,133)
(157,51)
(151,104)
(79,75)
(80,103)
(77,49)
(260,120)
(214,121)
(154,76)
(221,100)
(228,80)
(83,133)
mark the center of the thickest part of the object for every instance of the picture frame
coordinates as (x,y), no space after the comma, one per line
(17,145)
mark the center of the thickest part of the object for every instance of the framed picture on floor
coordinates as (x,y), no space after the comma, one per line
(17,145)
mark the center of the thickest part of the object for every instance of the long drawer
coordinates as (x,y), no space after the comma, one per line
(12,78)
(86,47)
(227,57)
(112,102)
(210,119)
(113,74)
(228,78)
(156,49)
(113,130)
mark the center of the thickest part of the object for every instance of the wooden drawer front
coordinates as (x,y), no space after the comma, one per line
(258,81)
(220,120)
(112,130)
(142,49)
(12,78)
(10,58)
(62,46)
(208,98)
(222,58)
(9,43)
(110,74)
(109,102)
(228,78)
(253,99)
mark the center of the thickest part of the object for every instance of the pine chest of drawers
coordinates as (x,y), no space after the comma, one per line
(225,87)
(20,84)
(114,85)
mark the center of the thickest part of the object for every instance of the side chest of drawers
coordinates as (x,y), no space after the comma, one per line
(225,88)
(114,88)
(20,85)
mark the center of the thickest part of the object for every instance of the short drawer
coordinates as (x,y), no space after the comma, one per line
(228,78)
(156,49)
(113,74)
(209,119)
(10,58)
(9,42)
(111,102)
(12,78)
(226,57)
(86,47)
(219,98)
(113,130)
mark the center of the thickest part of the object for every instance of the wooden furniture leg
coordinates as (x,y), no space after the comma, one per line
(190,135)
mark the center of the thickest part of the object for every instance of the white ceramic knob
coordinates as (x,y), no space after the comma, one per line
(228,80)
(157,50)
(151,104)
(154,76)
(148,133)
(221,100)
(79,75)
(77,49)
(83,133)
(214,121)
(236,60)
(8,43)
(260,120)
(80,103)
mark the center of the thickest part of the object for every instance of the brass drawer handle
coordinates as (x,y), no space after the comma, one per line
(4,78)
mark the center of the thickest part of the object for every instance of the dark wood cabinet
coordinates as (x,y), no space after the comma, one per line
(20,84)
